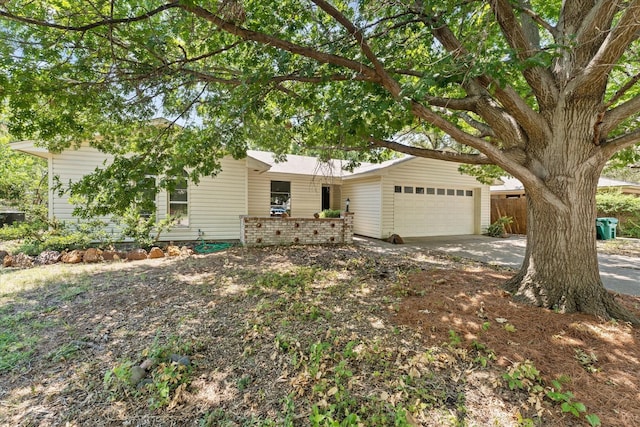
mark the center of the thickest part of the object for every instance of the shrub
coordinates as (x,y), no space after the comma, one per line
(142,228)
(624,207)
(22,230)
(56,236)
(330,213)
(497,228)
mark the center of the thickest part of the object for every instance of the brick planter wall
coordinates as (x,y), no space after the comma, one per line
(267,231)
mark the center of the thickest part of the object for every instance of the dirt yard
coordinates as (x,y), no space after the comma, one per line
(303,336)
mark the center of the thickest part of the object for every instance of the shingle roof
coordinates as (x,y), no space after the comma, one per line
(513,184)
(307,165)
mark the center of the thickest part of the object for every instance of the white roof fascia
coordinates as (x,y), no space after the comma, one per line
(29,147)
(376,169)
(257,165)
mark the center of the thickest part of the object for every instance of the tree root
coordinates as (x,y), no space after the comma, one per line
(602,304)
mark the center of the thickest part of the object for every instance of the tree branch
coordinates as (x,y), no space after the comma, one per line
(469,103)
(245,34)
(592,29)
(534,126)
(539,78)
(355,33)
(609,52)
(485,147)
(474,159)
(206,77)
(622,90)
(83,28)
(614,145)
(481,127)
(511,161)
(614,117)
(538,20)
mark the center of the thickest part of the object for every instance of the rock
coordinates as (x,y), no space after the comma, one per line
(48,257)
(156,252)
(137,374)
(180,360)
(73,257)
(173,250)
(3,254)
(7,261)
(92,255)
(137,254)
(147,364)
(22,260)
(113,255)
(186,251)
(395,239)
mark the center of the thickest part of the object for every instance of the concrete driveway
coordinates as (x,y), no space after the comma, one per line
(619,273)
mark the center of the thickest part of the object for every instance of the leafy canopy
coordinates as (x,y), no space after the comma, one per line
(339,79)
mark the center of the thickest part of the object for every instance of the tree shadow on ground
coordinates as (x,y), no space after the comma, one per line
(599,359)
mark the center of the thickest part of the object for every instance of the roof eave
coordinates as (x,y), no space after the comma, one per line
(29,147)
(257,165)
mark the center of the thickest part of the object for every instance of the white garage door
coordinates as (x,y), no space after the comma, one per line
(433,211)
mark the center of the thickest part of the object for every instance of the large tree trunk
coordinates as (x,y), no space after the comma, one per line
(560,270)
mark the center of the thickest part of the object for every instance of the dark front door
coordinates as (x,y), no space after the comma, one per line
(326,197)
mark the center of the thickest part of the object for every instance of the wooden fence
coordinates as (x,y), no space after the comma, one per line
(515,208)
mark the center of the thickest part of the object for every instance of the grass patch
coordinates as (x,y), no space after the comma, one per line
(68,291)
(13,281)
(19,333)
(291,282)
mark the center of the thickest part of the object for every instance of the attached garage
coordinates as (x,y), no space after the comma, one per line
(430,211)
(416,197)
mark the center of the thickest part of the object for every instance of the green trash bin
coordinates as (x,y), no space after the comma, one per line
(599,229)
(606,228)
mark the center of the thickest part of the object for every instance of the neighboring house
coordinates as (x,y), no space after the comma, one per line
(410,196)
(512,188)
(509,199)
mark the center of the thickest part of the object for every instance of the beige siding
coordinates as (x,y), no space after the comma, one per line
(259,185)
(365,202)
(336,197)
(215,204)
(306,193)
(72,165)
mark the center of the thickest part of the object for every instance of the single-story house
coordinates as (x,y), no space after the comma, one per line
(409,196)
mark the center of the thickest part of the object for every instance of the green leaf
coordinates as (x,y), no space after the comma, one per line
(593,420)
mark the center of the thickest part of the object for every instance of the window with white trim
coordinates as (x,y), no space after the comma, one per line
(280,198)
(179,201)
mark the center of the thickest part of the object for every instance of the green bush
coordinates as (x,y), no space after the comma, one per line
(56,236)
(143,229)
(624,207)
(330,213)
(22,230)
(497,228)
(55,242)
